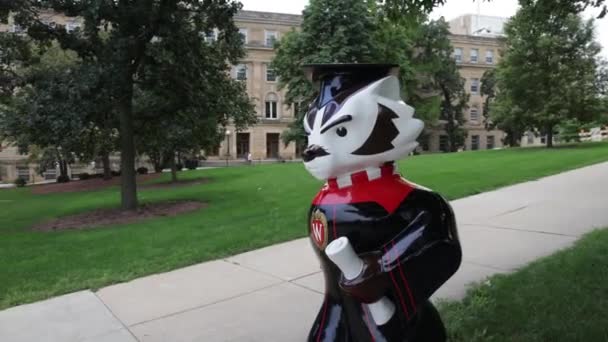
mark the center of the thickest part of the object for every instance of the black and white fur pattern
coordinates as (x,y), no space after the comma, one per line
(368,128)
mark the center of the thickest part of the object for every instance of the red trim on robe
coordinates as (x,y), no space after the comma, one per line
(389,190)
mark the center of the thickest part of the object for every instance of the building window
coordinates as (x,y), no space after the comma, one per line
(458,55)
(474,54)
(214,151)
(489,57)
(474,114)
(270,110)
(71,26)
(297,107)
(443,143)
(3,172)
(490,142)
(244,35)
(270,37)
(49,23)
(271,76)
(210,36)
(530,138)
(240,72)
(475,142)
(50,174)
(424,142)
(23,172)
(17,29)
(474,85)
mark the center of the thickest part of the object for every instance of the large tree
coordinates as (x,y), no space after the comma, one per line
(45,114)
(421,49)
(488,89)
(31,73)
(406,42)
(509,117)
(332,31)
(548,70)
(440,72)
(182,108)
(117,34)
(501,112)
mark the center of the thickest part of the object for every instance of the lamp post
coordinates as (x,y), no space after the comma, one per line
(227,146)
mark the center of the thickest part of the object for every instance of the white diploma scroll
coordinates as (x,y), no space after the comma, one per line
(341,253)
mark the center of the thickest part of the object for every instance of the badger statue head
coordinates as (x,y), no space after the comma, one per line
(357,121)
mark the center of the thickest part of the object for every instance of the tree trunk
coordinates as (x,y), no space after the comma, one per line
(158,168)
(128,189)
(63,168)
(107,171)
(448,114)
(453,147)
(550,136)
(511,139)
(157,161)
(173,169)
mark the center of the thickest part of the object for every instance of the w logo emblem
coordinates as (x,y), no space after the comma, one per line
(318,229)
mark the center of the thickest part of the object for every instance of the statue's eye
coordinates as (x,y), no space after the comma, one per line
(341,131)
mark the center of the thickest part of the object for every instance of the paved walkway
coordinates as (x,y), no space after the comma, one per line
(272,294)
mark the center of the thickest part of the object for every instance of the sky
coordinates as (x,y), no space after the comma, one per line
(452,9)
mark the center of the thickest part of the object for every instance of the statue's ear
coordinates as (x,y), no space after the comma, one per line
(387,87)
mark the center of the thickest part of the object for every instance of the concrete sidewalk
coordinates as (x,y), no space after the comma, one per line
(273,294)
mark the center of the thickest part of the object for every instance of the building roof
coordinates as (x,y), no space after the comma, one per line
(269,17)
(478,25)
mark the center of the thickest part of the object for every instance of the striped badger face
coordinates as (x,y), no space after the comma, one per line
(352,127)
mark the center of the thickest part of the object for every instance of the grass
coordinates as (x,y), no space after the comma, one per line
(563,297)
(249,207)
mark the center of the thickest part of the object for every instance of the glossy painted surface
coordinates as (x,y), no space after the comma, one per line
(406,235)
(357,121)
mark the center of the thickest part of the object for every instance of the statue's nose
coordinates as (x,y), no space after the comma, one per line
(312,152)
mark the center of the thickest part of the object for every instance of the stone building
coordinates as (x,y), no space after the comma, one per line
(476,41)
(260,30)
(13,164)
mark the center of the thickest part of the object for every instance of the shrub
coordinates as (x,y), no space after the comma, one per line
(142,170)
(84,176)
(20,182)
(63,179)
(179,167)
(115,173)
(191,164)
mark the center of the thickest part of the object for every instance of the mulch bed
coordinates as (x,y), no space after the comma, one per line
(105,217)
(175,184)
(98,184)
(86,185)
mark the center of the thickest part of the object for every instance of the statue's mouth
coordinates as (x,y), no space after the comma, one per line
(312,152)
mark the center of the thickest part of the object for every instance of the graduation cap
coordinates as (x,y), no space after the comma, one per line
(336,82)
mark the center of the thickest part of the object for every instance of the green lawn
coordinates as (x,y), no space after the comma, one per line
(563,297)
(249,207)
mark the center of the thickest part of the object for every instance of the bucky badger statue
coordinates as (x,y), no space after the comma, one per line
(385,244)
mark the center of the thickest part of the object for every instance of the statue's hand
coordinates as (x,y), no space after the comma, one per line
(369,286)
